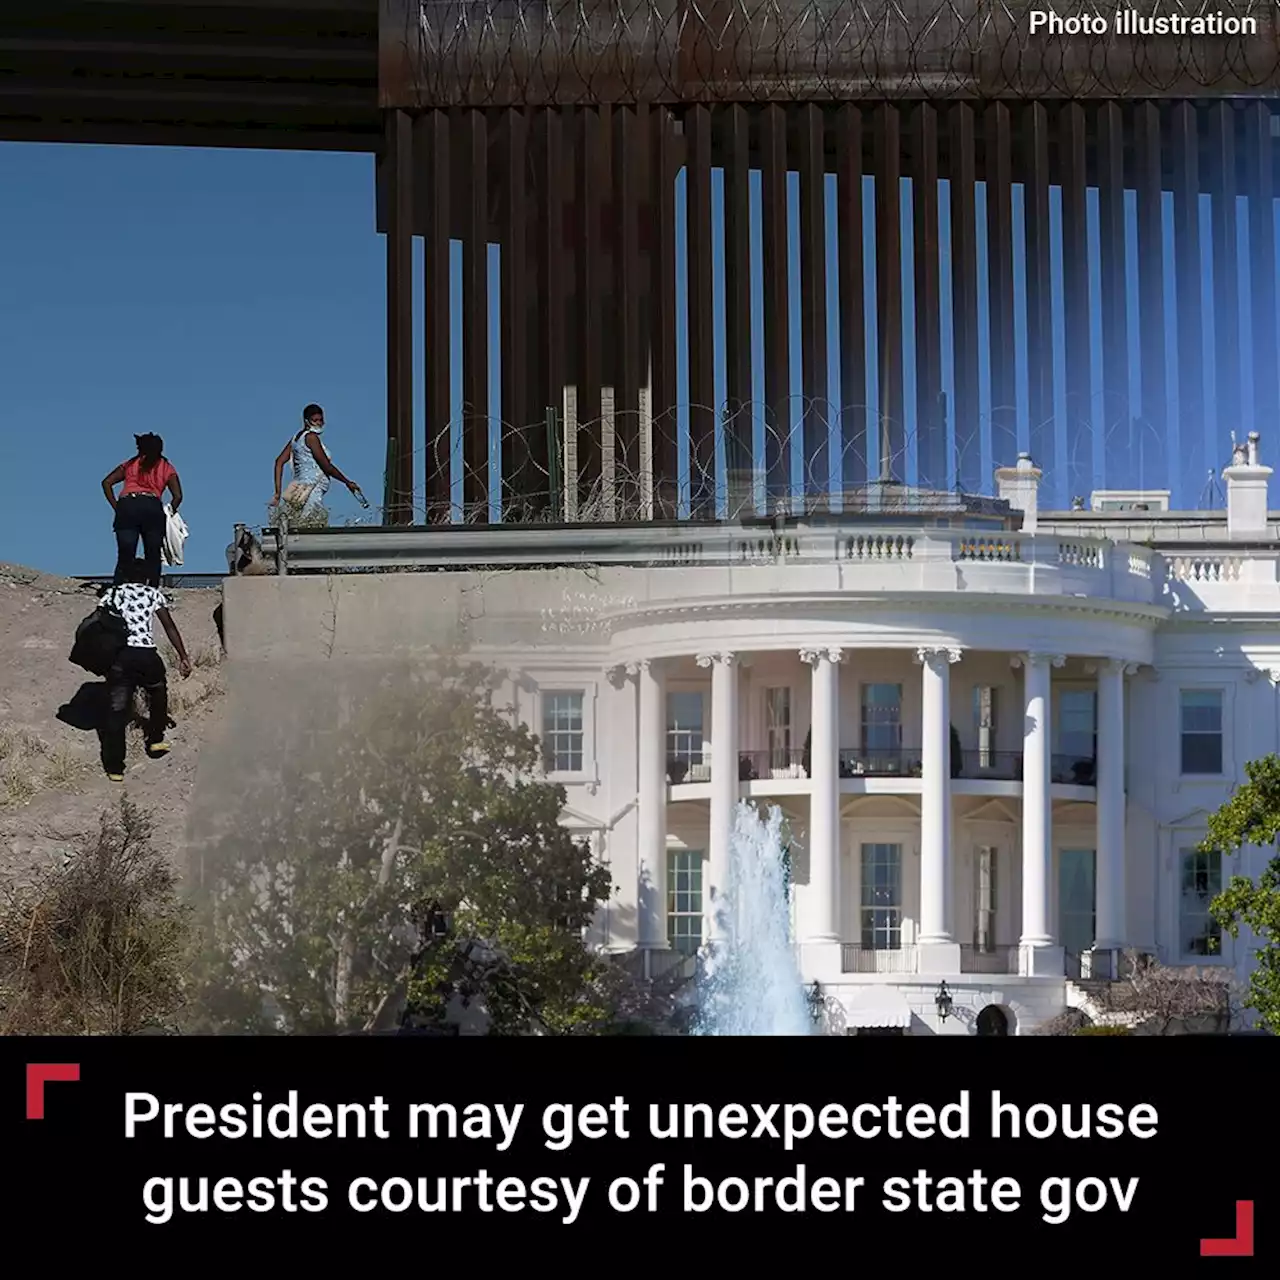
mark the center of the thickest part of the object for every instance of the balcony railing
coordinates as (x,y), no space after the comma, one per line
(988,959)
(858,959)
(774,765)
(683,769)
(1072,770)
(897,762)
(996,766)
(672,968)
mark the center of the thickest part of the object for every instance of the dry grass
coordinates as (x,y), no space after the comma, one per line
(65,768)
(17,784)
(22,755)
(206,657)
(99,943)
(185,696)
(16,744)
(28,765)
(25,775)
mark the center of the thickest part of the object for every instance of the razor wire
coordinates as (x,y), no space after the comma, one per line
(451,53)
(629,467)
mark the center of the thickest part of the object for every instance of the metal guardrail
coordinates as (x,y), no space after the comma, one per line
(683,544)
(465,545)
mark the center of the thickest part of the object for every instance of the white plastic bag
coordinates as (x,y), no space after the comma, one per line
(175,536)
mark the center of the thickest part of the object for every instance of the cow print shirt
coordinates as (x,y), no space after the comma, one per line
(138,605)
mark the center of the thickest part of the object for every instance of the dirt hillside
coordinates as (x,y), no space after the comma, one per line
(52,786)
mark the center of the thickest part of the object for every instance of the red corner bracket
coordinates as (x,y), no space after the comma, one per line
(1238,1246)
(40,1074)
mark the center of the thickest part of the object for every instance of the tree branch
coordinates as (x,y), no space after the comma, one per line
(348,950)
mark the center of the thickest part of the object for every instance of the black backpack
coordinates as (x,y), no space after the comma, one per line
(99,640)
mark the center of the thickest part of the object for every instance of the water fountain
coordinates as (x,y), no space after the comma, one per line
(750,984)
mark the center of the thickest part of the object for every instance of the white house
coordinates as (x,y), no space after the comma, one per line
(996,732)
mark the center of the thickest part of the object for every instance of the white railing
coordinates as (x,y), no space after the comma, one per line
(876,546)
(728,544)
(859,959)
(1089,554)
(989,548)
(1206,568)
(863,556)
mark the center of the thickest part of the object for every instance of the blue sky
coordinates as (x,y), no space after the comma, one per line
(208,295)
(205,295)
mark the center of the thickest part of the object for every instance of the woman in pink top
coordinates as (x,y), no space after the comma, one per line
(140,507)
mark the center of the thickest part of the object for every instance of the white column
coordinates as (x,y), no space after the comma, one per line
(1110,808)
(821,923)
(724,782)
(651,824)
(936,923)
(1037,816)
(938,950)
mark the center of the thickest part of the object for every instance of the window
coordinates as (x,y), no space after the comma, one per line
(1201,883)
(1202,731)
(684,901)
(1077,900)
(984,724)
(1077,724)
(881,717)
(778,726)
(984,899)
(882,897)
(684,727)
(562,731)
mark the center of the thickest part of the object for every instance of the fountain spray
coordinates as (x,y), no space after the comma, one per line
(750,983)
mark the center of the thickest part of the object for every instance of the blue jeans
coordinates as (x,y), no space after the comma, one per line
(139,515)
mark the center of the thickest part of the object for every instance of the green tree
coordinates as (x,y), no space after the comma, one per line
(414,867)
(1252,817)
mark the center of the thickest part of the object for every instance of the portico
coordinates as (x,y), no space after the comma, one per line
(937,796)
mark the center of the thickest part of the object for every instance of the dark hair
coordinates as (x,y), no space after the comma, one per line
(138,572)
(311,411)
(150,449)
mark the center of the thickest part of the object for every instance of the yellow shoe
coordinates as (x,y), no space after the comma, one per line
(159,749)
(115,777)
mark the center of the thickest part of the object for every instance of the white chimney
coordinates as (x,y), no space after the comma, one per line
(1246,481)
(1020,486)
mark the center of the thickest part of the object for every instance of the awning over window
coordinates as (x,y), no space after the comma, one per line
(878,1007)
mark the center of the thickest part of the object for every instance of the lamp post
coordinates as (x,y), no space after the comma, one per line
(942,1002)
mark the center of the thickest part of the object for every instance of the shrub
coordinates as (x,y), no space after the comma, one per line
(1069,1022)
(98,944)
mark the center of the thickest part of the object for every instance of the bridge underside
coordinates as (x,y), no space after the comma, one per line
(292,74)
(635,175)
